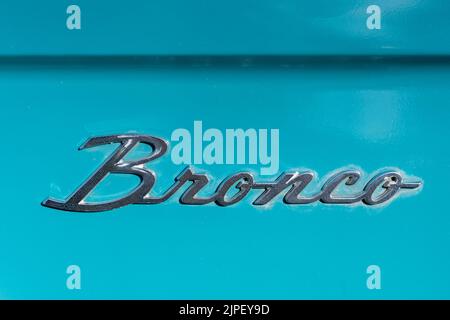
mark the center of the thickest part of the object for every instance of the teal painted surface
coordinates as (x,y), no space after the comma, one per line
(370,114)
(175,62)
(144,27)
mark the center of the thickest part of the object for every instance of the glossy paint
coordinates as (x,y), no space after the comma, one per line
(222,27)
(333,112)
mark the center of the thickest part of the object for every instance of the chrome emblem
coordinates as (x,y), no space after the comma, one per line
(383,187)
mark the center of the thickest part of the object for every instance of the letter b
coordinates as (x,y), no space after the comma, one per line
(114,165)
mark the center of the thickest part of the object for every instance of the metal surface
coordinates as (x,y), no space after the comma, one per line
(390,182)
(342,96)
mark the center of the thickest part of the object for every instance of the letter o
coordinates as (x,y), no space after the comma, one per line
(391,182)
